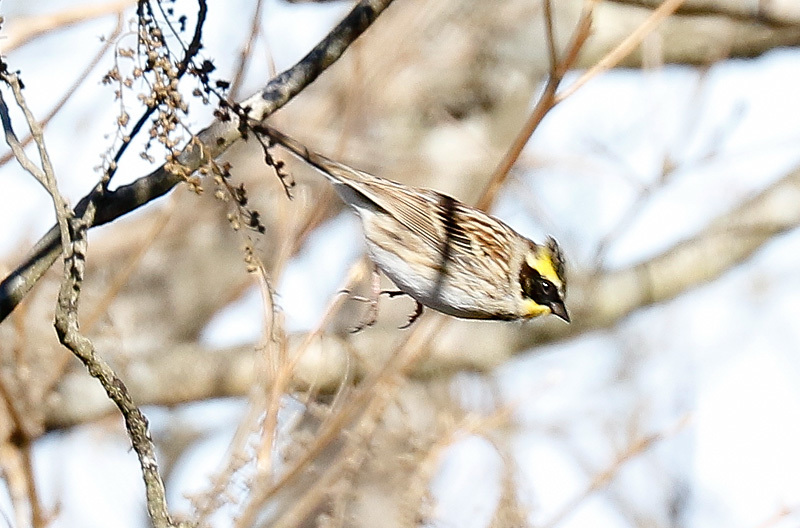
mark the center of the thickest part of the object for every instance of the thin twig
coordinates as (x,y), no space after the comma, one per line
(550,98)
(79,80)
(24,432)
(38,517)
(17,149)
(387,379)
(246,52)
(604,477)
(44,174)
(551,36)
(23,30)
(546,102)
(624,48)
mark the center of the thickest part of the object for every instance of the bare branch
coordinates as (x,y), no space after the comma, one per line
(69,334)
(615,56)
(79,80)
(546,102)
(17,148)
(245,54)
(18,466)
(45,174)
(700,37)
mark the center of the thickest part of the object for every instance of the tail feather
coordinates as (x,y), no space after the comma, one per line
(326,165)
(348,182)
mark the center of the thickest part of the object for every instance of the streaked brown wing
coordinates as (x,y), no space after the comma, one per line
(431,216)
(491,243)
(414,209)
(460,234)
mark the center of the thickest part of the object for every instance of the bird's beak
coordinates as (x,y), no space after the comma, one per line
(558,308)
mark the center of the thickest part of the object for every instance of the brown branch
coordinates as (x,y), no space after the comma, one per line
(245,54)
(624,48)
(207,145)
(24,431)
(69,334)
(546,102)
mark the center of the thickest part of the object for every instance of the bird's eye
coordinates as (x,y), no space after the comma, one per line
(536,287)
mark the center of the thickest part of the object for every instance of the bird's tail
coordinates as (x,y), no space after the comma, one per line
(351,184)
(327,166)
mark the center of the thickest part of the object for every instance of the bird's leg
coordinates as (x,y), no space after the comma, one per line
(414,316)
(417,310)
(372,312)
(361,298)
(393,293)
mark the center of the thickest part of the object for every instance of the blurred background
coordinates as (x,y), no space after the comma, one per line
(672,183)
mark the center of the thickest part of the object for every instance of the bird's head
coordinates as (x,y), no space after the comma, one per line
(542,277)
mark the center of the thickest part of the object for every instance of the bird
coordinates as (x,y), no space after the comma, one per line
(444,254)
